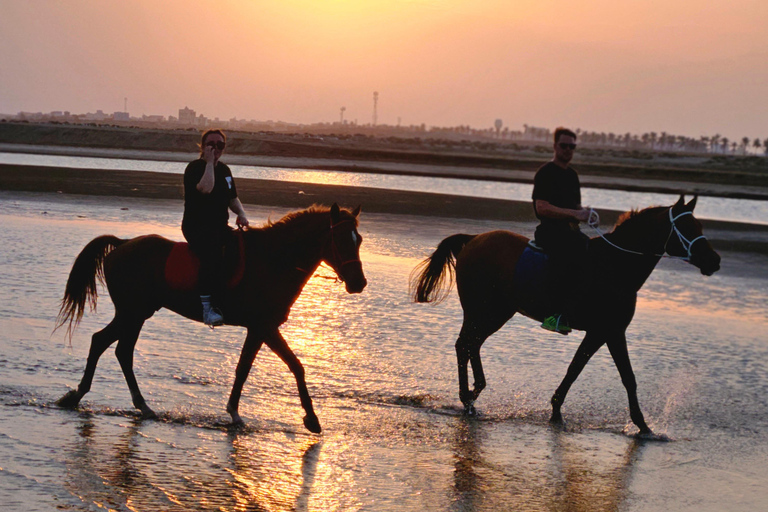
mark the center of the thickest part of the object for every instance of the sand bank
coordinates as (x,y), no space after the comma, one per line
(632,179)
(140,184)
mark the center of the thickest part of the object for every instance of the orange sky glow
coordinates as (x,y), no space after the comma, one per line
(681,66)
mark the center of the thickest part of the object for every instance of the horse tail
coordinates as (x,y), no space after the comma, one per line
(81,284)
(428,279)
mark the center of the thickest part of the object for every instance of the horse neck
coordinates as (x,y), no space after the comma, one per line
(646,232)
(298,241)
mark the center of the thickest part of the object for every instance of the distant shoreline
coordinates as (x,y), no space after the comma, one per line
(608,168)
(626,183)
(141,184)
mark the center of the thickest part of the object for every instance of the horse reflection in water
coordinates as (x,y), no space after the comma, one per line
(619,264)
(279,260)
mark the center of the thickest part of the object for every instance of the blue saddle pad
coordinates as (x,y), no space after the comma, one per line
(530,280)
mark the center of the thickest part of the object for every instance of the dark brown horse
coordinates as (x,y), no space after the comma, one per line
(492,288)
(280,259)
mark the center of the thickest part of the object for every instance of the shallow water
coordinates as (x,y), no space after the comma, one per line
(718,208)
(381,371)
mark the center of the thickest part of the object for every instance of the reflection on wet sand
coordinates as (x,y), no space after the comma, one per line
(577,473)
(106,474)
(272,481)
(592,477)
(122,466)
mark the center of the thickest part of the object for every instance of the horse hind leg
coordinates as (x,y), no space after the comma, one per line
(100,341)
(124,352)
(468,350)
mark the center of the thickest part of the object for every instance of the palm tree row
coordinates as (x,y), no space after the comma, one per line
(653,141)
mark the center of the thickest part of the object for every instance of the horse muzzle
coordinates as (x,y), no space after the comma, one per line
(708,264)
(354,278)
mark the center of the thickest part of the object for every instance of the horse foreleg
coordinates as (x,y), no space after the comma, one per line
(124,353)
(100,341)
(280,347)
(589,345)
(247,356)
(620,354)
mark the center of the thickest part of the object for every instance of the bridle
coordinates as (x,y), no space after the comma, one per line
(336,254)
(686,244)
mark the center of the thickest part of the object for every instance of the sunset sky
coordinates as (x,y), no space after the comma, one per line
(687,67)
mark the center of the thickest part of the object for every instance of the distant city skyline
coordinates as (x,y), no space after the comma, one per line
(189,118)
(681,66)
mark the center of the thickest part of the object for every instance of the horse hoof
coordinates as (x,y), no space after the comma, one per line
(70,400)
(469,410)
(648,435)
(312,424)
(148,414)
(556,418)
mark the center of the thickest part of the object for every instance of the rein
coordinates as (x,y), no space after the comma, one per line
(687,245)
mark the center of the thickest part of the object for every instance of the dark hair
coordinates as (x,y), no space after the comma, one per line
(206,133)
(563,131)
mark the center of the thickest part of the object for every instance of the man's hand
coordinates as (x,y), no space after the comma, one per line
(582,214)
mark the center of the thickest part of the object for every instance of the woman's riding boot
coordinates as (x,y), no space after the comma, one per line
(211,316)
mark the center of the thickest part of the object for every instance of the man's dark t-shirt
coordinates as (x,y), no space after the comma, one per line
(207,212)
(559,187)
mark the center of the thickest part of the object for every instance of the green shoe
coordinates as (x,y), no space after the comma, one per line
(557,323)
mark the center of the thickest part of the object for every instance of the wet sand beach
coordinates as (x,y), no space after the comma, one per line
(381,371)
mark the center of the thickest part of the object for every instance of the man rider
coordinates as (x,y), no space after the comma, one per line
(557,205)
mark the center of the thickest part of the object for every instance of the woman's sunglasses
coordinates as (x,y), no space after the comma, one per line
(218,145)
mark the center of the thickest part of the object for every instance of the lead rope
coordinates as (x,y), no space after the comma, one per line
(594,221)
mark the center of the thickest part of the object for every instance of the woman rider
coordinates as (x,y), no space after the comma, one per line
(209,192)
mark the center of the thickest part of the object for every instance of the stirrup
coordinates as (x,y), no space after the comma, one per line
(556,323)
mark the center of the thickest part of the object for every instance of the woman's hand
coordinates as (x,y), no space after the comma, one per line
(242,221)
(209,154)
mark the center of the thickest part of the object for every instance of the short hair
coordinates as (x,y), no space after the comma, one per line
(563,131)
(206,133)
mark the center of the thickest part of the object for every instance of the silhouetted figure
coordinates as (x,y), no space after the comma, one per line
(209,194)
(557,204)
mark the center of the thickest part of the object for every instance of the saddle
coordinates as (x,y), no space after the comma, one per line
(535,280)
(531,281)
(183,266)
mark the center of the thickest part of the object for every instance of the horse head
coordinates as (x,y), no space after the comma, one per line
(343,251)
(686,239)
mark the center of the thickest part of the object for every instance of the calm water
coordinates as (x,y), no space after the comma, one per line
(382,374)
(712,208)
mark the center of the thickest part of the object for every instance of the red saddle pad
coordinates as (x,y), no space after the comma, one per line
(183,266)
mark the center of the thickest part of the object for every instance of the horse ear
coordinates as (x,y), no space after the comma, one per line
(335,213)
(692,204)
(680,202)
(356,211)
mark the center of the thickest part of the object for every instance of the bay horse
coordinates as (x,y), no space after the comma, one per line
(279,260)
(491,290)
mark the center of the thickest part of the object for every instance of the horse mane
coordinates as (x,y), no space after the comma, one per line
(635,215)
(298,225)
(300,215)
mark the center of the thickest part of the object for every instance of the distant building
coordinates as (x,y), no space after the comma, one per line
(187,115)
(153,118)
(121,116)
(96,116)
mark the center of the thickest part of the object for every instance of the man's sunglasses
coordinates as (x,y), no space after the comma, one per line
(218,145)
(565,145)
